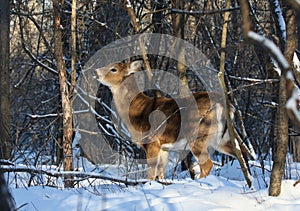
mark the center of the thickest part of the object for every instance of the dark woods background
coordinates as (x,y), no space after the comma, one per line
(36,118)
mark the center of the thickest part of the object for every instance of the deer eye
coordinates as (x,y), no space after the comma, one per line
(113,70)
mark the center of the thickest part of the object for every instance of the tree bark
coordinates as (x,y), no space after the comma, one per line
(6,199)
(7,202)
(280,145)
(65,97)
(178,27)
(73,47)
(280,148)
(5,115)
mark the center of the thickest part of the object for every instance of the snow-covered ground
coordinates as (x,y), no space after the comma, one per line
(211,193)
(224,189)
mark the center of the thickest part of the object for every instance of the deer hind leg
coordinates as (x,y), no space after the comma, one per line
(199,150)
(227,148)
(205,164)
(157,160)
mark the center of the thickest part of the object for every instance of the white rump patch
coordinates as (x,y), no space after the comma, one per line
(219,117)
(179,145)
(220,126)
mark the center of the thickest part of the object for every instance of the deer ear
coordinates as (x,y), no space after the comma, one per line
(134,66)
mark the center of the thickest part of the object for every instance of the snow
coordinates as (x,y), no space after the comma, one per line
(223,189)
(292,103)
(210,193)
(296,62)
(280,20)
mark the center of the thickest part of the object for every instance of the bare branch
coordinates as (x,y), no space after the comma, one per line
(137,29)
(197,13)
(296,183)
(295,4)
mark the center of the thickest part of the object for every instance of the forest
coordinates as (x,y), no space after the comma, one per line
(58,123)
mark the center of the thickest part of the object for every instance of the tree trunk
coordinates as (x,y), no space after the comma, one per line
(296,147)
(178,27)
(59,141)
(5,145)
(280,148)
(7,202)
(73,47)
(65,97)
(280,145)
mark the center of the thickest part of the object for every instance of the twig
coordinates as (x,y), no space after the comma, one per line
(296,183)
(23,205)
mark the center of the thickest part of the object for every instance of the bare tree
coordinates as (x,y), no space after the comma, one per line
(287,45)
(6,200)
(65,93)
(5,114)
(281,146)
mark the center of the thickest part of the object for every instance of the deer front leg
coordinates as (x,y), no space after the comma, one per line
(157,160)
(153,156)
(151,168)
(162,163)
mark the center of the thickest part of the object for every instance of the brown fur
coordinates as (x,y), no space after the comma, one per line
(163,130)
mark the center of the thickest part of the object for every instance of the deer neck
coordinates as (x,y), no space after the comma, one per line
(128,101)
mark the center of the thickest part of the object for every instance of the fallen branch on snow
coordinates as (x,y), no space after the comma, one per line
(75,174)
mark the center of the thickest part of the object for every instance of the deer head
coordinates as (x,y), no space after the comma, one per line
(114,74)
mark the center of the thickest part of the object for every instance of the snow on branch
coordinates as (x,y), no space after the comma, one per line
(35,116)
(271,47)
(253,80)
(6,162)
(293,99)
(279,21)
(197,13)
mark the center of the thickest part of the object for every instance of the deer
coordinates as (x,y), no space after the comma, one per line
(137,109)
